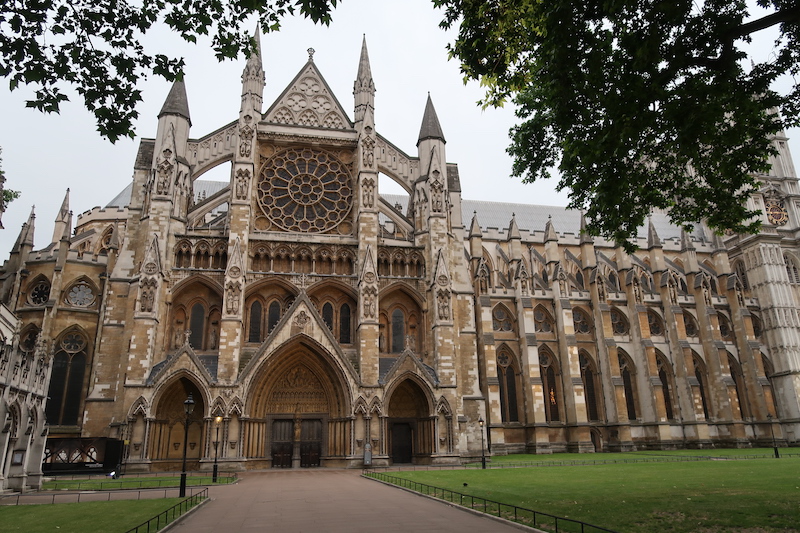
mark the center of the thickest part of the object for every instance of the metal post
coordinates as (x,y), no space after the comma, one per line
(483,451)
(217,421)
(774,444)
(188,407)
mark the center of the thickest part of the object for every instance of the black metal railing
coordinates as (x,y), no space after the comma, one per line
(38,498)
(170,515)
(126,483)
(522,515)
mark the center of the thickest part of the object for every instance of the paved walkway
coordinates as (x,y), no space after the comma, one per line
(314,501)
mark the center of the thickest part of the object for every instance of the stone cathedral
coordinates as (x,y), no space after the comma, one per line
(315,321)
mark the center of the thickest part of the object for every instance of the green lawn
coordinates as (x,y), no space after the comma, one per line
(90,517)
(131,482)
(758,495)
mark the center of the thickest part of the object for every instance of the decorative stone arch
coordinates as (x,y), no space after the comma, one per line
(69,378)
(503,320)
(103,243)
(376,406)
(81,292)
(656,323)
(620,325)
(218,407)
(140,407)
(410,422)
(445,431)
(236,407)
(37,292)
(582,321)
(543,322)
(401,319)
(300,401)
(165,432)
(590,375)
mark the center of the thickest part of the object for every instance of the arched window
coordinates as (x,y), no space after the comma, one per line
(738,383)
(741,273)
(508,386)
(690,324)
(665,376)
(581,321)
(589,377)
(769,371)
(725,330)
(628,372)
(701,374)
(619,324)
(655,323)
(542,321)
(579,281)
(327,315)
(758,329)
(501,319)
(550,385)
(66,381)
(791,270)
(274,315)
(398,331)
(197,322)
(255,322)
(613,282)
(344,324)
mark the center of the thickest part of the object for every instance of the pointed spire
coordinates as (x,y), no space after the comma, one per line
(585,237)
(475,228)
(513,229)
(686,241)
(63,219)
(364,76)
(653,240)
(430,128)
(113,242)
(364,87)
(176,103)
(549,231)
(66,233)
(26,232)
(253,78)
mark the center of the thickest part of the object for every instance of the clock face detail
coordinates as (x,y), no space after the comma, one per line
(776,212)
(80,295)
(305,190)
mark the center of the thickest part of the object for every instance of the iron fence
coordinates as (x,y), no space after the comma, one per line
(171,514)
(127,484)
(89,496)
(522,515)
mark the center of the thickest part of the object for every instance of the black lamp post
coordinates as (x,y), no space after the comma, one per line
(188,407)
(483,452)
(774,444)
(217,422)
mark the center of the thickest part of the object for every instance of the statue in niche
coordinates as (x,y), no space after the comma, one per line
(368,148)
(369,192)
(637,290)
(232,298)
(369,302)
(246,137)
(242,182)
(437,203)
(163,172)
(444,305)
(148,297)
(601,289)
(672,288)
(562,282)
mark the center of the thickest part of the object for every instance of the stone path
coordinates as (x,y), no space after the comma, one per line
(313,501)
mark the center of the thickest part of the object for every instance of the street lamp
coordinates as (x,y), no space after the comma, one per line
(188,407)
(483,452)
(772,431)
(217,422)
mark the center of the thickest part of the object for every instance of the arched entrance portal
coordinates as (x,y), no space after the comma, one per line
(411,426)
(166,432)
(299,413)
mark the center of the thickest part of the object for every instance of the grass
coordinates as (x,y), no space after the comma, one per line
(758,495)
(89,517)
(131,483)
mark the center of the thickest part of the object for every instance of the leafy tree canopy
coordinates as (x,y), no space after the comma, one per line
(94,46)
(638,104)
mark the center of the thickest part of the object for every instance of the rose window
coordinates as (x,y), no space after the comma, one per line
(80,295)
(40,293)
(305,190)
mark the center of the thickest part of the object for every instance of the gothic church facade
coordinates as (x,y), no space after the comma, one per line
(316,321)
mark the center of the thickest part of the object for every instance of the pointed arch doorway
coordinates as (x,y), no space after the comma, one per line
(299,412)
(410,424)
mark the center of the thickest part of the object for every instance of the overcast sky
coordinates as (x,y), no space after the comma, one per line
(45,154)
